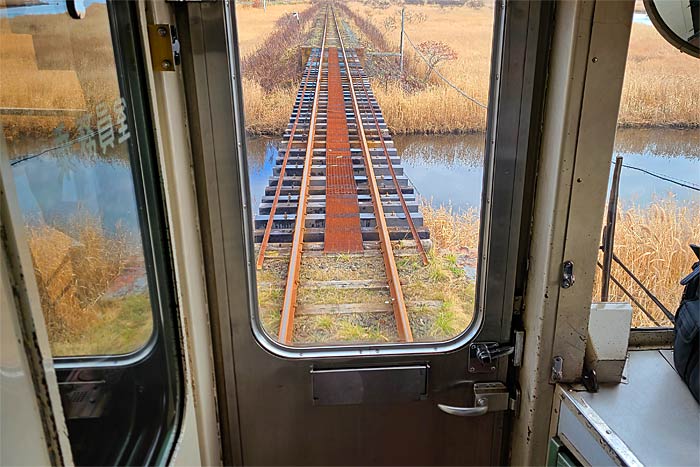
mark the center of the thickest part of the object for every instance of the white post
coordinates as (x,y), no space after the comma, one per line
(403,9)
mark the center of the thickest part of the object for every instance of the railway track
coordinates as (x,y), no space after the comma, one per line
(336,182)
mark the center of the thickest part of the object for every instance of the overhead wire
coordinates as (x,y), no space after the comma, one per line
(71,142)
(676,181)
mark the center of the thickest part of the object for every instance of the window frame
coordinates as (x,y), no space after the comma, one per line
(150,201)
(515,107)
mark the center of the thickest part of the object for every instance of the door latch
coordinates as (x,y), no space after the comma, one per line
(488,397)
(165,46)
(567,274)
(483,356)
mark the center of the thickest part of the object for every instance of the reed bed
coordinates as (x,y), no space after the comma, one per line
(276,63)
(75,266)
(256,24)
(262,108)
(451,230)
(658,89)
(653,243)
(44,63)
(434,107)
(659,85)
(271,67)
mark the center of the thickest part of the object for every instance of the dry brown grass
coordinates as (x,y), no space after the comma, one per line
(44,64)
(653,243)
(73,273)
(263,114)
(54,62)
(266,111)
(254,24)
(439,108)
(660,87)
(452,231)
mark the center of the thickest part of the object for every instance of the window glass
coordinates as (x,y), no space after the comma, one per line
(66,135)
(658,210)
(324,262)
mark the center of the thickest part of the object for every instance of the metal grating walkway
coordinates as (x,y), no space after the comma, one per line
(343,232)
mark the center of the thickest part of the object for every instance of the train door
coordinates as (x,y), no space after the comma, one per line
(360,399)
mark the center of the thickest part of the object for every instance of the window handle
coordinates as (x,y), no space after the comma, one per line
(481,407)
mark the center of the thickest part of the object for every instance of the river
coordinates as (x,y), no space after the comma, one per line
(448,169)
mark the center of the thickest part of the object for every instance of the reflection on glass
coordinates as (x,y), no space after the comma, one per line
(66,133)
(658,212)
(432,135)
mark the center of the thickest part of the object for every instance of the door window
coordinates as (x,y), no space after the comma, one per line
(365,234)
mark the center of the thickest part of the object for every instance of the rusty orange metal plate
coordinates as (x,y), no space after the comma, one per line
(343,233)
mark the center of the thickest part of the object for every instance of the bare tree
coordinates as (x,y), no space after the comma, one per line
(389,23)
(435,52)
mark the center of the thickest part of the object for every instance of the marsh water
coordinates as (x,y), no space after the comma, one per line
(448,169)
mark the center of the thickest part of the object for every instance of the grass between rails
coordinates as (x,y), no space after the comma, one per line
(76,272)
(439,296)
(652,241)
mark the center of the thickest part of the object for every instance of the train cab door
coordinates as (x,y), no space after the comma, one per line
(369,399)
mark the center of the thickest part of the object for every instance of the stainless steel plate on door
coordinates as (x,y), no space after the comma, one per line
(349,386)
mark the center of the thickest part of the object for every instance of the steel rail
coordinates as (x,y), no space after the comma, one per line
(409,219)
(289,304)
(278,191)
(397,300)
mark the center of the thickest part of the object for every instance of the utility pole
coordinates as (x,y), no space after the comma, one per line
(403,10)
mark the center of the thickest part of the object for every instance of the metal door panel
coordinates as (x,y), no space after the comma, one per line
(280,424)
(265,389)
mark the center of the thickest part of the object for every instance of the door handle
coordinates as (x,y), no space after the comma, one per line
(480,408)
(489,397)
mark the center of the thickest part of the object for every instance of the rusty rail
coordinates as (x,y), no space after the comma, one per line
(273,209)
(397,300)
(289,304)
(404,206)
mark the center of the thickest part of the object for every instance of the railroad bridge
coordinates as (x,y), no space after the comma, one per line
(338,185)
